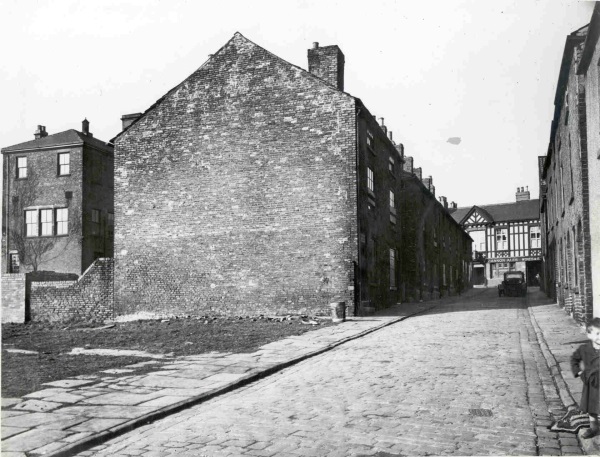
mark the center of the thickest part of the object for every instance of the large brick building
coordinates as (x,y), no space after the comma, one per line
(570,180)
(255,186)
(506,237)
(57,202)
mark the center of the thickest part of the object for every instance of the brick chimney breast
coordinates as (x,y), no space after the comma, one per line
(522,194)
(128,119)
(85,127)
(419,173)
(327,63)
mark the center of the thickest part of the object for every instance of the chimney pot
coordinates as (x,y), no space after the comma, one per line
(381,121)
(390,136)
(315,45)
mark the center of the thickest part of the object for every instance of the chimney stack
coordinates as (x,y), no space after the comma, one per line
(419,173)
(327,63)
(453,205)
(40,132)
(443,201)
(85,127)
(383,127)
(128,119)
(408,164)
(400,149)
(522,194)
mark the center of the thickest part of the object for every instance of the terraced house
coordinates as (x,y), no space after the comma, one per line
(570,179)
(256,187)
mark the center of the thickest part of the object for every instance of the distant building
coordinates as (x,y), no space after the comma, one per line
(57,202)
(257,187)
(506,237)
(570,180)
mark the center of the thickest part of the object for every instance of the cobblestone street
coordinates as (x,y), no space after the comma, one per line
(465,379)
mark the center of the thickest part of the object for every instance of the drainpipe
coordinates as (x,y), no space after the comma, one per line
(357,273)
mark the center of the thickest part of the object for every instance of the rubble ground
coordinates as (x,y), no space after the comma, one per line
(36,353)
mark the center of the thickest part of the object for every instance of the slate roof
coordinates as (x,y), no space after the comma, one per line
(67,137)
(504,212)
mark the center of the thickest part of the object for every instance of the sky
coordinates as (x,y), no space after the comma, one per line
(466,85)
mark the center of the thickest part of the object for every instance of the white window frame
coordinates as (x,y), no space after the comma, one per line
(64,163)
(32,227)
(370,180)
(535,237)
(62,221)
(22,168)
(46,222)
(501,239)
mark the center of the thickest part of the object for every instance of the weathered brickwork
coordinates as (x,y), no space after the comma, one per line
(90,298)
(13,298)
(565,191)
(236,192)
(49,190)
(588,69)
(257,187)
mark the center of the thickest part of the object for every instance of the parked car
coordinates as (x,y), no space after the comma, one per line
(514,285)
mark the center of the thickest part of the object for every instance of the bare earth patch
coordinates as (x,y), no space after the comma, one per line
(23,372)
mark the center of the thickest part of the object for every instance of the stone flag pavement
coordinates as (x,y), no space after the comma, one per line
(73,414)
(76,414)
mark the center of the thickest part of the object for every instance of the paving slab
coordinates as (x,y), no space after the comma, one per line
(32,439)
(69,383)
(37,405)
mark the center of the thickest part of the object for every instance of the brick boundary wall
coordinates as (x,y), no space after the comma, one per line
(13,298)
(90,298)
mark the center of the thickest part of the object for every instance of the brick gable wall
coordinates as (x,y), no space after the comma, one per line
(236,193)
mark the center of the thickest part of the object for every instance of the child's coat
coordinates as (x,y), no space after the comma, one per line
(591,364)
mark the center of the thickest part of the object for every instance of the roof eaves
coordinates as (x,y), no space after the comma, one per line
(590,41)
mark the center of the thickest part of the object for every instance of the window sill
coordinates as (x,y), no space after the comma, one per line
(21,179)
(45,237)
(63,176)
(393,288)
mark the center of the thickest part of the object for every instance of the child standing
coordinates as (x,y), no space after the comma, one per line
(588,355)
